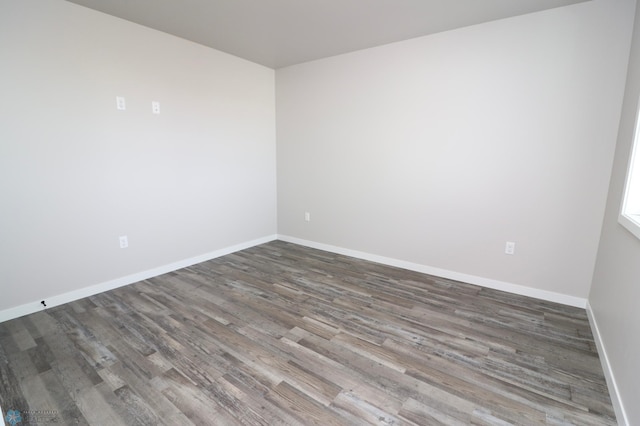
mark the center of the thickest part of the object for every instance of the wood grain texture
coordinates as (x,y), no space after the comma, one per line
(281,334)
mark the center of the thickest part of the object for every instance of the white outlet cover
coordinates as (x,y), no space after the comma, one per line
(155,107)
(510,247)
(121,104)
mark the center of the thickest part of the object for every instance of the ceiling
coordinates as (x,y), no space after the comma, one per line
(278,33)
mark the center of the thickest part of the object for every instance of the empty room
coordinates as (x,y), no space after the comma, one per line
(387,212)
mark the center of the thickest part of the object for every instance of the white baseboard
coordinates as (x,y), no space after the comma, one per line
(614,393)
(443,273)
(61,299)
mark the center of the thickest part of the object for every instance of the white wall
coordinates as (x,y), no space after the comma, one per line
(75,173)
(437,150)
(615,291)
(434,151)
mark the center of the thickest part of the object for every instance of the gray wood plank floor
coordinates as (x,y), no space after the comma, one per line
(281,334)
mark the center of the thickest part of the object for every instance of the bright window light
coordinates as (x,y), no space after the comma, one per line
(630,211)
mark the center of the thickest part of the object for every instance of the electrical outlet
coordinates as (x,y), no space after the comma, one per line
(124,242)
(510,247)
(120,103)
(155,107)
(307,216)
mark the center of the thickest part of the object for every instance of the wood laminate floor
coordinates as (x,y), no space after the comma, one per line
(281,334)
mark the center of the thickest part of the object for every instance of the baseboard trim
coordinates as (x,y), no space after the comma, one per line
(61,299)
(444,273)
(614,393)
